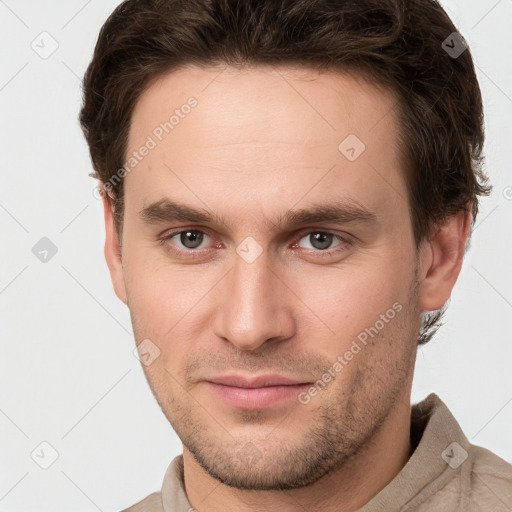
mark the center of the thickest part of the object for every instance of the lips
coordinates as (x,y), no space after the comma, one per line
(261,381)
(257,392)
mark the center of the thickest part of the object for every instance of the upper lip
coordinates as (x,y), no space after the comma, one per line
(260,381)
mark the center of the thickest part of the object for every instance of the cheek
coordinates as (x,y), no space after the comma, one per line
(350,299)
(333,304)
(156,286)
(169,303)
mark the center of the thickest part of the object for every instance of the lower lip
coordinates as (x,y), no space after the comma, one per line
(255,398)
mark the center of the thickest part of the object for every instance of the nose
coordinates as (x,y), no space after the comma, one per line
(255,305)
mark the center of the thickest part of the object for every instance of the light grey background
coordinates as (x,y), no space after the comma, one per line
(68,373)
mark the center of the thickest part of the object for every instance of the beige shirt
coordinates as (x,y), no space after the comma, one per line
(445,473)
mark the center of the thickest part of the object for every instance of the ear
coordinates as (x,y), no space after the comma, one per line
(442,259)
(113,253)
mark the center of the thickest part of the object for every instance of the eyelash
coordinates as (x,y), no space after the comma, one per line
(345,242)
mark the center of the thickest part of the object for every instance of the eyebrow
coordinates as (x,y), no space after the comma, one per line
(342,212)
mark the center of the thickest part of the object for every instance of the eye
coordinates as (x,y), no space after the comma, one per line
(194,242)
(321,241)
(189,238)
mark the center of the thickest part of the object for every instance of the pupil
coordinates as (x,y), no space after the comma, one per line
(321,239)
(190,239)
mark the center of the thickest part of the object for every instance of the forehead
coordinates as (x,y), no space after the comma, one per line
(268,97)
(263,128)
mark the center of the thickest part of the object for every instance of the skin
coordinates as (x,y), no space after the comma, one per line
(263,141)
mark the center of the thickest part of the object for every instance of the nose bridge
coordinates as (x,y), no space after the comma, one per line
(254,308)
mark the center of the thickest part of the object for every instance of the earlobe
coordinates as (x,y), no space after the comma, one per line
(444,253)
(113,252)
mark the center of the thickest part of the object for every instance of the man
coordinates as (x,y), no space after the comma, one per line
(289,188)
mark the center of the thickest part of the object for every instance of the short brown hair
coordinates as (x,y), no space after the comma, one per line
(398,44)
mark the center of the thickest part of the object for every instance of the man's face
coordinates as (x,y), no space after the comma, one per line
(257,295)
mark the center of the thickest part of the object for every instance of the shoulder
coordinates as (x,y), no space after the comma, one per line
(152,503)
(488,462)
(490,481)
(171,498)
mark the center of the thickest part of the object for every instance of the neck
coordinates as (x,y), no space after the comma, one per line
(344,490)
